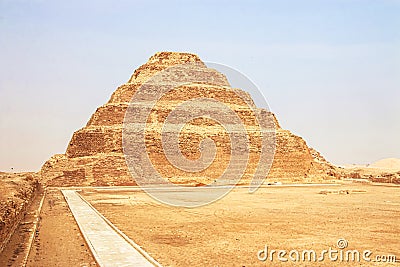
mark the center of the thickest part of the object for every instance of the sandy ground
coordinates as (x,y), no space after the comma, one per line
(228,232)
(58,241)
(231,231)
(389,163)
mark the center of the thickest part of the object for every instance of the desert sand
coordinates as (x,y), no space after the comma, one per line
(387,164)
(229,232)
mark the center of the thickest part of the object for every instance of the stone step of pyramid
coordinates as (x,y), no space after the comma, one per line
(95,154)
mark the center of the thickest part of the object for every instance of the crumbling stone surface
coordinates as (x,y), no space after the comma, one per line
(95,155)
(16,193)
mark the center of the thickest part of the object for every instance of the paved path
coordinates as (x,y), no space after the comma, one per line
(108,246)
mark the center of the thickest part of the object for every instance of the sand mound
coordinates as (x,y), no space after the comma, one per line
(390,163)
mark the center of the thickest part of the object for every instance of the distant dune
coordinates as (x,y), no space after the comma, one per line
(389,163)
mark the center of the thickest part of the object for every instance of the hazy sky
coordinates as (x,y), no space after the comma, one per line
(330,69)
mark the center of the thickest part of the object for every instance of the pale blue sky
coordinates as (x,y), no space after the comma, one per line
(330,69)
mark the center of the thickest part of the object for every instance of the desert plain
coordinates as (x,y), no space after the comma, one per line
(346,215)
(228,232)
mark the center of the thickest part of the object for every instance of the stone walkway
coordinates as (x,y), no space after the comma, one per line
(108,245)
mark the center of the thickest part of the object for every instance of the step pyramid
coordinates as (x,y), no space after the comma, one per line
(118,147)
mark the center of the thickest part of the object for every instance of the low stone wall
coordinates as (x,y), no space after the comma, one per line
(17,192)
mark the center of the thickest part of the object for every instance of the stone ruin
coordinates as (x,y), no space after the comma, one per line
(95,157)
